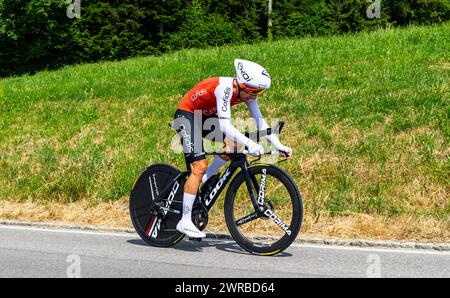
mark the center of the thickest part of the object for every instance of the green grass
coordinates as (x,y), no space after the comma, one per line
(367,116)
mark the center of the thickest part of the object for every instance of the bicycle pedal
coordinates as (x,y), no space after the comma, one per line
(195,239)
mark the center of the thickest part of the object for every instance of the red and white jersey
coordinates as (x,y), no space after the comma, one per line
(215,96)
(207,94)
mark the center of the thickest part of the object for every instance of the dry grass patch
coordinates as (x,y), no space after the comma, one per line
(351,226)
(354,226)
(443,65)
(112,214)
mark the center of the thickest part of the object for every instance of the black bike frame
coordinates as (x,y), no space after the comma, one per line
(238,160)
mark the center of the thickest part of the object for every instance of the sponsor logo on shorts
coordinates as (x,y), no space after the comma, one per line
(186,139)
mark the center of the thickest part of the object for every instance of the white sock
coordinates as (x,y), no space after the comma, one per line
(188,202)
(213,168)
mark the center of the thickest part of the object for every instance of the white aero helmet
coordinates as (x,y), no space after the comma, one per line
(252,76)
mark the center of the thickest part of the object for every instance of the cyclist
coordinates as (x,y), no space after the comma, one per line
(212,99)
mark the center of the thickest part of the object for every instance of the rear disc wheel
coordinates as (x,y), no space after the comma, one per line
(157,230)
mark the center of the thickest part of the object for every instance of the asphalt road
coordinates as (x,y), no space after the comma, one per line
(34,252)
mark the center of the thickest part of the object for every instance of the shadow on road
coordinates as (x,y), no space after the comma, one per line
(195,246)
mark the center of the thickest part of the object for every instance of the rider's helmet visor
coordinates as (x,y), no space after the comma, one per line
(251,90)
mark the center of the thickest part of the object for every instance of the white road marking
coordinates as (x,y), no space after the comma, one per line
(353,248)
(374,249)
(315,246)
(66,231)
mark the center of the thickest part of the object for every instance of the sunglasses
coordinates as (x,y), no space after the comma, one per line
(251,90)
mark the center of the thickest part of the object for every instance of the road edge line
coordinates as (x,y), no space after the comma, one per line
(299,240)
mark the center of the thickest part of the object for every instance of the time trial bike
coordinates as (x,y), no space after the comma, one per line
(263,206)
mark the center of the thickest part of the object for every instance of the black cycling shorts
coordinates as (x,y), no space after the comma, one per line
(193,131)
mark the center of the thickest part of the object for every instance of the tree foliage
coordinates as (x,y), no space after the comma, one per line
(37,34)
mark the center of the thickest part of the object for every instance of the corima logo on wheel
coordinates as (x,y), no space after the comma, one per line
(155,185)
(269,213)
(216,189)
(262,188)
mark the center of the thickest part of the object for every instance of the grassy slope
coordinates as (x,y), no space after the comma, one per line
(367,116)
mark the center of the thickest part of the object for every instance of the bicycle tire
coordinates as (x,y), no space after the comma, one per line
(153,230)
(251,241)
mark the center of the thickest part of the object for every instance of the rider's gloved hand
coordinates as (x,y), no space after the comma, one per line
(285,150)
(255,149)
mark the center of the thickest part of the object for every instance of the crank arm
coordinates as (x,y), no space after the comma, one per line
(170,210)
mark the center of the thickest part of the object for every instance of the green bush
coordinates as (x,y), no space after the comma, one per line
(34,34)
(423,12)
(311,20)
(250,16)
(296,18)
(201,31)
(113,30)
(37,34)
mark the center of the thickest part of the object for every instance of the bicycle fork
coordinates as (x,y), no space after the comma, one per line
(259,204)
